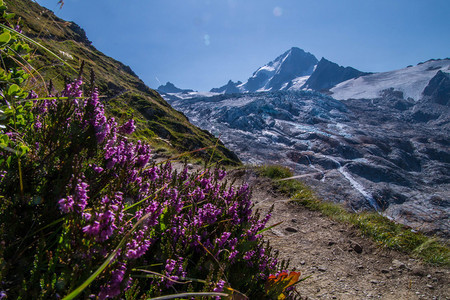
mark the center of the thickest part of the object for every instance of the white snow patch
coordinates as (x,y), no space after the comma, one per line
(298,82)
(191,95)
(411,81)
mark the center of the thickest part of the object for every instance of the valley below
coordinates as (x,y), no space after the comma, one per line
(387,154)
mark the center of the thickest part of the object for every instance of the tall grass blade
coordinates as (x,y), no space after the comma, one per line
(39,45)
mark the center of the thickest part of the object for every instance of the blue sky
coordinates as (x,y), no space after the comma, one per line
(201,44)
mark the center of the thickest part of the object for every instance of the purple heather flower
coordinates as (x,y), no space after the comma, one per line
(97,169)
(233,255)
(174,269)
(170,265)
(112,289)
(208,213)
(32,95)
(221,241)
(66,204)
(219,288)
(81,194)
(86,216)
(220,174)
(151,174)
(128,127)
(92,229)
(249,254)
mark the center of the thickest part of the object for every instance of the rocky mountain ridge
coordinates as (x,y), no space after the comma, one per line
(169,87)
(297,70)
(293,70)
(387,153)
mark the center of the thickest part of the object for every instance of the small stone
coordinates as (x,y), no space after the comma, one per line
(374,281)
(360,267)
(290,229)
(322,268)
(384,271)
(294,220)
(356,247)
(398,264)
(429,276)
(430,286)
(303,262)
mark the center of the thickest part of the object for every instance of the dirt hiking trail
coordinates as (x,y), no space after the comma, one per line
(341,263)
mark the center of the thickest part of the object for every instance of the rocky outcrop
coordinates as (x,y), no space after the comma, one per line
(328,74)
(434,106)
(171,88)
(438,89)
(230,88)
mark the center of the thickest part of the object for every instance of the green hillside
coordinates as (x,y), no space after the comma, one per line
(125,94)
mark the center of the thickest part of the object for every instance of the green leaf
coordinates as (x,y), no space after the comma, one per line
(5,37)
(8,15)
(23,150)
(13,88)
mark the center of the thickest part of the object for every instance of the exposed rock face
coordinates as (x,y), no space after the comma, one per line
(278,73)
(327,74)
(230,88)
(438,89)
(367,153)
(171,88)
(434,107)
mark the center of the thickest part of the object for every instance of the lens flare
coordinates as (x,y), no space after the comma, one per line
(277,11)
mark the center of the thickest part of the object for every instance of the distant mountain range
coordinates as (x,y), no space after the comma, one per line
(297,70)
(369,140)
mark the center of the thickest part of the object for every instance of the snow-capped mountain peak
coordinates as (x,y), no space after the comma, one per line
(271,77)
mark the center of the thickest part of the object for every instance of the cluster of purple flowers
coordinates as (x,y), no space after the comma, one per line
(176,221)
(113,287)
(78,201)
(173,270)
(219,287)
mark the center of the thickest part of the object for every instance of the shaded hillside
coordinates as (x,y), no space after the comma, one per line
(126,95)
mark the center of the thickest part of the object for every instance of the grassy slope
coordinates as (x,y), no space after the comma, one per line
(127,96)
